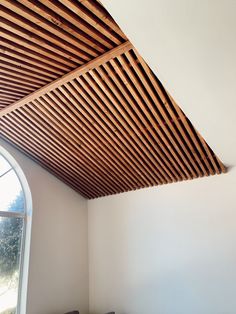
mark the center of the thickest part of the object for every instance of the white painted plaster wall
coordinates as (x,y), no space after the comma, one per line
(171,250)
(58,269)
(191,46)
(166,250)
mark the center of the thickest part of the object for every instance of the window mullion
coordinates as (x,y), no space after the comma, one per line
(3,174)
(11,214)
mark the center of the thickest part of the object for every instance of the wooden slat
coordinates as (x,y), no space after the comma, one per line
(17,93)
(47,39)
(18,40)
(4,103)
(133,157)
(75,142)
(37,41)
(14,85)
(21,45)
(33,61)
(40,148)
(56,145)
(26,149)
(12,68)
(80,130)
(138,122)
(89,35)
(96,23)
(30,21)
(77,98)
(70,76)
(126,127)
(102,14)
(27,66)
(161,116)
(20,75)
(15,80)
(164,101)
(8,97)
(195,136)
(90,124)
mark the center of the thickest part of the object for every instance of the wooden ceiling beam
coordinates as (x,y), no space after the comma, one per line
(78,98)
(69,76)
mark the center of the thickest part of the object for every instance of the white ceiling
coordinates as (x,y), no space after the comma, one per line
(191,46)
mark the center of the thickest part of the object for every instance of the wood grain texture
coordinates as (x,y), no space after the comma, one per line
(77,98)
(43,40)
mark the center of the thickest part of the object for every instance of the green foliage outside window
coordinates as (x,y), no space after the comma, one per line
(10,239)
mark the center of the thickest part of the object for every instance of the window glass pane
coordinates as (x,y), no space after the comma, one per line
(4,165)
(11,195)
(11,230)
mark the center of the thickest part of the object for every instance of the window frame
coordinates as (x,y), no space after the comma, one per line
(26,216)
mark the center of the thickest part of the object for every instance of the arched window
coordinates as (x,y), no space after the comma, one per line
(15,209)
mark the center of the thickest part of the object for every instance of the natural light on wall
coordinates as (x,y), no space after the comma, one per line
(15,206)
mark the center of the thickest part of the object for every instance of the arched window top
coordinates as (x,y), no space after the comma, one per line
(15,222)
(11,191)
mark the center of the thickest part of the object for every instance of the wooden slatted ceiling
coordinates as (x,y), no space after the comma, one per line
(108,125)
(40,40)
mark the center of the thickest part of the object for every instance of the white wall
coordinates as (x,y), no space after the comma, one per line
(191,46)
(58,270)
(171,250)
(166,250)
